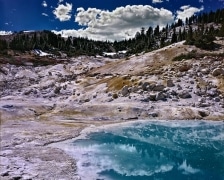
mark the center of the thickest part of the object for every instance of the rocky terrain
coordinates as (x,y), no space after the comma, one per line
(44,104)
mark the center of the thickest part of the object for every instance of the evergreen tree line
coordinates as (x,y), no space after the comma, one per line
(194,30)
(48,41)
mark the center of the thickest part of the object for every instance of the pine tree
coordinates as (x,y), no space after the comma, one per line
(156,31)
(190,39)
(180,38)
(221,31)
(162,42)
(3,44)
(174,36)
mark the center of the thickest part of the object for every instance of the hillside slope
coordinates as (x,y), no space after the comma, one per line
(48,103)
(143,81)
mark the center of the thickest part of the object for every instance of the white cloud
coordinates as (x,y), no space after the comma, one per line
(187,11)
(201,1)
(44,3)
(60,1)
(44,14)
(8,23)
(62,12)
(5,32)
(157,1)
(121,23)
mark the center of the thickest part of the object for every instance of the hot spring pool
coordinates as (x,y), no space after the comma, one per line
(152,150)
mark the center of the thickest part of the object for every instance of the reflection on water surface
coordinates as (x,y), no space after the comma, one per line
(153,150)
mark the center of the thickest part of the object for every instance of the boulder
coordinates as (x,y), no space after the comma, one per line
(213,92)
(170,83)
(204,104)
(160,96)
(57,90)
(158,87)
(184,94)
(202,100)
(115,96)
(125,91)
(152,97)
(179,87)
(200,92)
(151,86)
(4,70)
(134,89)
(7,106)
(203,113)
(28,91)
(205,71)
(145,99)
(184,67)
(153,114)
(218,71)
(145,86)
(173,93)
(217,99)
(94,95)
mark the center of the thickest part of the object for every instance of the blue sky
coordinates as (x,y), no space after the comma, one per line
(110,19)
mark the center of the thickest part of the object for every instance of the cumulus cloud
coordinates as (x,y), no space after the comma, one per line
(5,32)
(60,1)
(63,12)
(187,11)
(157,1)
(44,3)
(201,1)
(44,14)
(121,23)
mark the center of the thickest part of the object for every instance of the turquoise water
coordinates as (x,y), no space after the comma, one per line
(153,150)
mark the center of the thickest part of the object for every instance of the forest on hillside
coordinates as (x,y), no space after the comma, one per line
(199,30)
